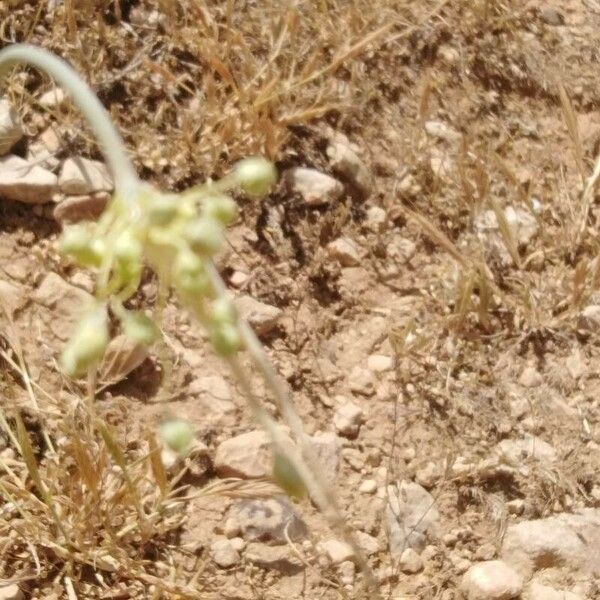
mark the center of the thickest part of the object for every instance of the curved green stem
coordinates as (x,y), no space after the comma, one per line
(113,148)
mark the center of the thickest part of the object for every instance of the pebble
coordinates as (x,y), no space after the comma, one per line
(411,517)
(516,506)
(410,562)
(316,188)
(345,251)
(337,551)
(270,520)
(538,591)
(401,249)
(531,378)
(428,475)
(551,16)
(224,554)
(346,572)
(346,161)
(122,356)
(274,558)
(327,447)
(247,456)
(368,543)
(368,486)
(491,580)
(348,419)
(485,552)
(566,539)
(80,176)
(442,131)
(21,181)
(53,98)
(529,447)
(379,363)
(74,209)
(589,318)
(11,130)
(263,318)
(361,381)
(376,218)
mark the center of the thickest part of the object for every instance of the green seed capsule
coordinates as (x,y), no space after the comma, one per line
(287,477)
(177,434)
(256,175)
(161,210)
(88,345)
(190,276)
(221,208)
(223,311)
(139,328)
(128,252)
(225,339)
(205,235)
(77,241)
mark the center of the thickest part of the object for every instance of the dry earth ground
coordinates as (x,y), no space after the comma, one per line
(456,326)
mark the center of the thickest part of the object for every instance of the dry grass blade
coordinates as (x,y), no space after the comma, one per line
(573,129)
(156,464)
(506,232)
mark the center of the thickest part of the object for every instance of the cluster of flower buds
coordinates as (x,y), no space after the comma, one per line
(177,235)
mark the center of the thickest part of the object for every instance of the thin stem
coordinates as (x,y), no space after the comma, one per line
(111,143)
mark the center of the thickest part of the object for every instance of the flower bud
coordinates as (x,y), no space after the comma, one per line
(223,311)
(287,477)
(256,175)
(190,275)
(226,339)
(161,210)
(221,208)
(177,434)
(139,328)
(77,241)
(88,345)
(204,235)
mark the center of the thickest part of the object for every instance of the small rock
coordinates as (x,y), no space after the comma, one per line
(589,318)
(11,130)
(73,209)
(326,446)
(368,486)
(401,249)
(238,279)
(11,592)
(411,517)
(22,181)
(485,552)
(461,467)
(361,381)
(316,188)
(442,131)
(270,520)
(80,176)
(538,591)
(261,317)
(348,419)
(53,98)
(531,378)
(337,551)
(491,580)
(551,16)
(346,572)
(12,298)
(122,356)
(345,161)
(428,475)
(345,251)
(224,554)
(410,562)
(575,364)
(276,558)
(379,363)
(376,218)
(238,543)
(368,543)
(518,407)
(565,539)
(516,506)
(247,456)
(529,447)
(448,54)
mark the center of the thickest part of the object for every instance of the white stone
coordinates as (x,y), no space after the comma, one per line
(346,161)
(428,475)
(263,318)
(316,188)
(368,486)
(491,580)
(379,363)
(531,378)
(368,543)
(538,591)
(224,554)
(410,561)
(589,318)
(337,551)
(345,251)
(80,176)
(376,218)
(11,130)
(53,98)
(23,182)
(348,419)
(401,249)
(238,543)
(361,381)
(442,131)
(11,592)
(247,456)
(326,446)
(411,517)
